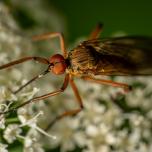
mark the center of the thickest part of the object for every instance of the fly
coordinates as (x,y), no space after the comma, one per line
(125,56)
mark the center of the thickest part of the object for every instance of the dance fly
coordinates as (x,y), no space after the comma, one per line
(120,56)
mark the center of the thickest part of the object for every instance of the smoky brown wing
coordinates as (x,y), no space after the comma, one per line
(124,55)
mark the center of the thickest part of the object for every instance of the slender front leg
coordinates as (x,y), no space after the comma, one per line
(38,59)
(126,87)
(70,112)
(50,36)
(96,32)
(64,86)
(30,81)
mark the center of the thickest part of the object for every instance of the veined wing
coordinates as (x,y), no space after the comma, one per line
(123,55)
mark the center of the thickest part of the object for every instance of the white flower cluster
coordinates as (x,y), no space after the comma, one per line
(11,46)
(105,126)
(3,148)
(110,122)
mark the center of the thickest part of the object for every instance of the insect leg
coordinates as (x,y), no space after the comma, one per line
(50,36)
(126,87)
(96,32)
(30,81)
(64,86)
(39,59)
(77,95)
(70,112)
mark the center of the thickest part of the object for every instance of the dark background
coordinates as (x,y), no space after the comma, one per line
(130,16)
(133,17)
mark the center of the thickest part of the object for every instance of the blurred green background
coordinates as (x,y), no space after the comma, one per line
(131,16)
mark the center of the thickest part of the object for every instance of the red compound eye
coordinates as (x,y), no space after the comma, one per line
(59,65)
